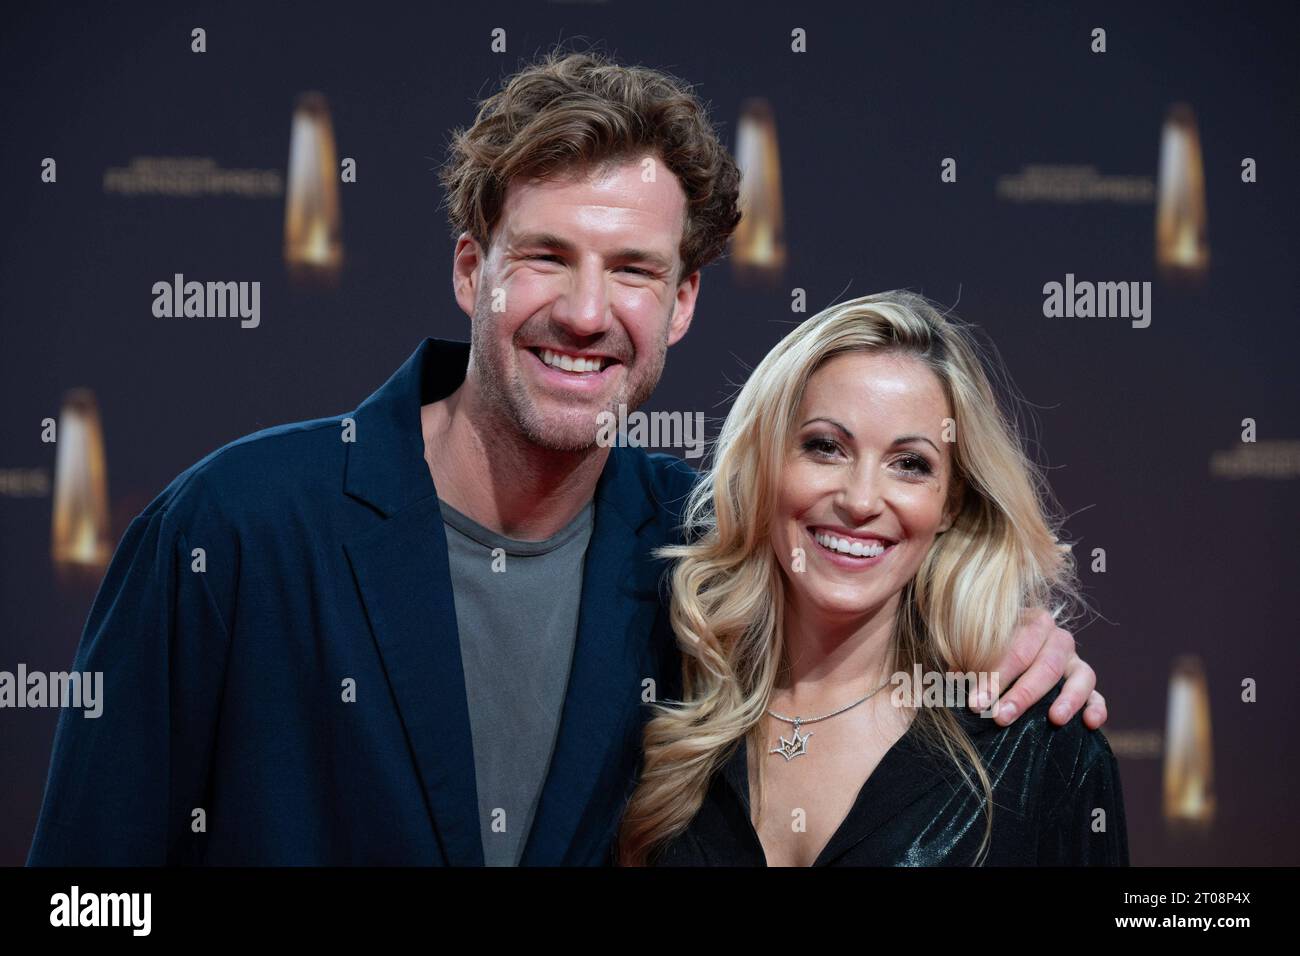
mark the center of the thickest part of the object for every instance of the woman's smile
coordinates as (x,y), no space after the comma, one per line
(854,551)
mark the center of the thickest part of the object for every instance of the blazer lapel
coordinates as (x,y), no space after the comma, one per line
(401,569)
(599,734)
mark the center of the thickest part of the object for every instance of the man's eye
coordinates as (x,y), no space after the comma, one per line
(544,258)
(635,270)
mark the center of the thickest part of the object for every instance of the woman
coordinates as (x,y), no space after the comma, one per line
(869,516)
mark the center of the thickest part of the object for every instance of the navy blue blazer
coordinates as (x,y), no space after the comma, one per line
(264,578)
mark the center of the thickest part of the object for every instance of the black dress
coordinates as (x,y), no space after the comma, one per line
(915,810)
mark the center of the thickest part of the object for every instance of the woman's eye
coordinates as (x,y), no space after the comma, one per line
(915,465)
(821,446)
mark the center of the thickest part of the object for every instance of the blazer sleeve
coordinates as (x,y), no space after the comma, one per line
(1086,827)
(123,787)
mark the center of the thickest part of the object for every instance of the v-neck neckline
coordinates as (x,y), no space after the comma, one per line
(904,772)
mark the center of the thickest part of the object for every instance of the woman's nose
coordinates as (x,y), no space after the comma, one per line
(860,494)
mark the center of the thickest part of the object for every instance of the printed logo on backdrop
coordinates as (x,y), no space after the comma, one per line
(189,176)
(1073,185)
(24,483)
(1141,744)
(1252,458)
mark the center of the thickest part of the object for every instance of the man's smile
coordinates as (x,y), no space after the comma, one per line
(587,373)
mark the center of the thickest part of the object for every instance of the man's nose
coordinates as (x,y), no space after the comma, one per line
(583,308)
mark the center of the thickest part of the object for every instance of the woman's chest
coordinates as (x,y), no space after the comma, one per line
(806,798)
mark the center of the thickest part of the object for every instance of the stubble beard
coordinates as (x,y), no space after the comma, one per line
(506,393)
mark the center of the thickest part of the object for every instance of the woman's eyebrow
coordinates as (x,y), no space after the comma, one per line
(829,421)
(905,439)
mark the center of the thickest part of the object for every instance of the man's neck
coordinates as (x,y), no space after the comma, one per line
(491,473)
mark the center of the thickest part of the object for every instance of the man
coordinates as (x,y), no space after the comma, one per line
(423,632)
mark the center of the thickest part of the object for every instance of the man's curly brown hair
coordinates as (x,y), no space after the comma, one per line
(579,110)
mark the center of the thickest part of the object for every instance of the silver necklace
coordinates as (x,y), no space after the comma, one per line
(797,744)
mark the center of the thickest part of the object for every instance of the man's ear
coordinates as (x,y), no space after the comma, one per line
(683,307)
(467,271)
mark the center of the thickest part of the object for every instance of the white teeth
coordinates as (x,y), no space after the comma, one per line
(854,547)
(570,364)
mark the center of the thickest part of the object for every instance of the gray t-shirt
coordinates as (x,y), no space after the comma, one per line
(517,613)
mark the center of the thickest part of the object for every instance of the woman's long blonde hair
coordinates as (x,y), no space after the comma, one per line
(1000,556)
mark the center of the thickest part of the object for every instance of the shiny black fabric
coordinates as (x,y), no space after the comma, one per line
(915,810)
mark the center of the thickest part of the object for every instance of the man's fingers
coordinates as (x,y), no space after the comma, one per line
(1080,679)
(1025,645)
(1042,675)
(1094,715)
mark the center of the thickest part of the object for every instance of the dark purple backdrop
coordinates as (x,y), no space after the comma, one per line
(1128,418)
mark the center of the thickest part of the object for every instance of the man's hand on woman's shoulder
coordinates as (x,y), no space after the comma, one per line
(1040,654)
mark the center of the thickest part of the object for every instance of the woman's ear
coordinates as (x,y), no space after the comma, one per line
(952,508)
